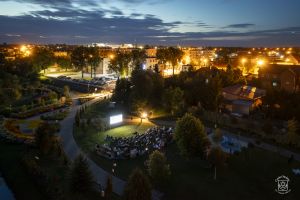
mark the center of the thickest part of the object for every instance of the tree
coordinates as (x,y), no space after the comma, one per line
(45,138)
(64,62)
(66,91)
(217,137)
(120,63)
(81,179)
(108,188)
(292,136)
(138,187)
(172,55)
(122,91)
(217,158)
(43,58)
(93,59)
(173,99)
(138,58)
(79,58)
(159,169)
(190,136)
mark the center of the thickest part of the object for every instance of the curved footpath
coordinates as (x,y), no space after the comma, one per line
(72,150)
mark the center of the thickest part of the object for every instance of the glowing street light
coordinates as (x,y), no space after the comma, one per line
(111,56)
(23,48)
(260,63)
(244,60)
(144,115)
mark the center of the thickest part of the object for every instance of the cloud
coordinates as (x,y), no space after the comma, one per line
(62,22)
(245,25)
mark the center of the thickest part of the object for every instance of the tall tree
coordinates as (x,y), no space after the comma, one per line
(43,58)
(172,55)
(93,59)
(175,55)
(81,179)
(217,137)
(120,63)
(173,99)
(191,137)
(159,169)
(217,158)
(64,62)
(108,188)
(138,187)
(45,138)
(79,57)
(138,58)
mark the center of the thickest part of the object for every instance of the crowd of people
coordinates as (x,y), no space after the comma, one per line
(116,148)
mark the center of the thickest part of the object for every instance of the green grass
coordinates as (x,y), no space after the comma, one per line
(248,175)
(15,175)
(89,137)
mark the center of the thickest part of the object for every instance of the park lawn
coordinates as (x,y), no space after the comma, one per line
(89,137)
(249,175)
(15,175)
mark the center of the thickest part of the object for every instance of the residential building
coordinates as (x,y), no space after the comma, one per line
(282,77)
(242,99)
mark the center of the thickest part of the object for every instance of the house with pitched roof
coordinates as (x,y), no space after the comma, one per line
(242,99)
(281,77)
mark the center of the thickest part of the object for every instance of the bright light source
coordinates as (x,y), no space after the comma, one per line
(116,119)
(260,62)
(111,56)
(23,48)
(144,115)
(244,60)
(144,66)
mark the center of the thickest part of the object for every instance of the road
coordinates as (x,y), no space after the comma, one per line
(72,150)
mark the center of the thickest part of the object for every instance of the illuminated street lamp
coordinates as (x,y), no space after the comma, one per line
(144,115)
(111,56)
(23,48)
(260,63)
(205,61)
(244,60)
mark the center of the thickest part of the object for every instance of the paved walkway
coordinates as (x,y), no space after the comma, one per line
(72,150)
(265,146)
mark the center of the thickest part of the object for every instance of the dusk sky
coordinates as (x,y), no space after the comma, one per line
(159,22)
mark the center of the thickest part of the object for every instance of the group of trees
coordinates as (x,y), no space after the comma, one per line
(192,141)
(16,77)
(82,57)
(171,55)
(176,94)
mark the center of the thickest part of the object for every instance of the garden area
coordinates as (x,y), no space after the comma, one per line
(249,174)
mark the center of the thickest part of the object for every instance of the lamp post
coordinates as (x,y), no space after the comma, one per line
(243,61)
(144,115)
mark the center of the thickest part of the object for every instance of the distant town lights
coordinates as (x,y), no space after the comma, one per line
(23,48)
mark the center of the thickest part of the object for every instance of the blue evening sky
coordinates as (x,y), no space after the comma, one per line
(184,22)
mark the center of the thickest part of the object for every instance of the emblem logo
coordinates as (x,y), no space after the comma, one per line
(282,185)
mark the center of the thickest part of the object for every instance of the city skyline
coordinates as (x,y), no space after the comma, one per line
(168,22)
